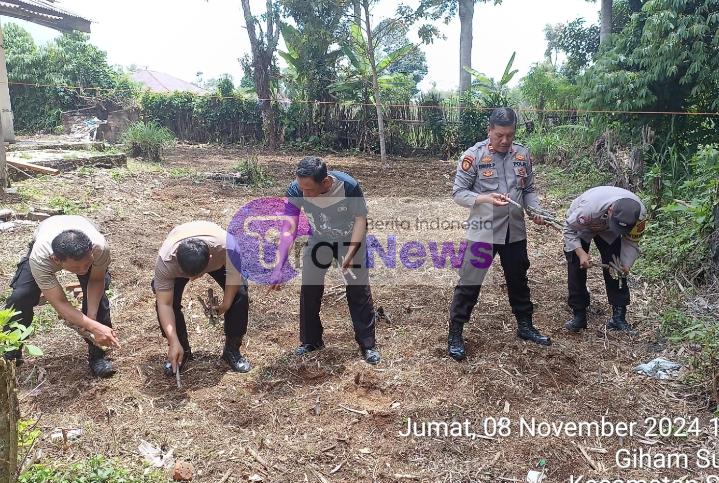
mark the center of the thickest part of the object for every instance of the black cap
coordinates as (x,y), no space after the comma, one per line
(625,214)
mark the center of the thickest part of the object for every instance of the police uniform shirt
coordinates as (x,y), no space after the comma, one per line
(332,214)
(482,170)
(588,216)
(167,268)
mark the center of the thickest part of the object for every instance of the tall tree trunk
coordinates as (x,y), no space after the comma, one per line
(8,422)
(605,30)
(466,15)
(263,49)
(375,84)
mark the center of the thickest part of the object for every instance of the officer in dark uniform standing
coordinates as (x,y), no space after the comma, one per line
(335,206)
(488,173)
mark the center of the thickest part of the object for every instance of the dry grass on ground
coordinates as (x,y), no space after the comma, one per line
(331,417)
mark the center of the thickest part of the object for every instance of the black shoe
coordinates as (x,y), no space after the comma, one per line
(371,355)
(455,342)
(527,331)
(618,320)
(187,356)
(99,365)
(231,354)
(15,355)
(306,348)
(578,322)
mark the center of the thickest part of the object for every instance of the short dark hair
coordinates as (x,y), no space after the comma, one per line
(312,167)
(193,255)
(72,244)
(503,116)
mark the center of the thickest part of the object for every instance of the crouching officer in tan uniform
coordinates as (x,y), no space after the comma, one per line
(71,243)
(615,219)
(487,173)
(190,251)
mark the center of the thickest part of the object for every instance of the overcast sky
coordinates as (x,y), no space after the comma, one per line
(182,37)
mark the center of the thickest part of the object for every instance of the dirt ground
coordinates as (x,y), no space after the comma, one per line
(330,416)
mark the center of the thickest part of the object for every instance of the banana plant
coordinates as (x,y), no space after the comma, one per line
(299,58)
(357,81)
(490,91)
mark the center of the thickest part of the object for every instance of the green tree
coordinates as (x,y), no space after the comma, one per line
(39,77)
(580,42)
(392,35)
(665,59)
(263,42)
(465,10)
(319,26)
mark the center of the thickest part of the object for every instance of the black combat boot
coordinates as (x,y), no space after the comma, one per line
(527,331)
(455,342)
(186,356)
(371,355)
(231,354)
(618,320)
(578,322)
(99,365)
(307,348)
(15,355)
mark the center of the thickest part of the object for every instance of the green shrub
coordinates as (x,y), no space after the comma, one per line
(97,469)
(147,140)
(700,335)
(252,172)
(560,144)
(678,239)
(13,339)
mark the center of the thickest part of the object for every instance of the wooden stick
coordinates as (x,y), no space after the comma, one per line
(33,167)
(177,378)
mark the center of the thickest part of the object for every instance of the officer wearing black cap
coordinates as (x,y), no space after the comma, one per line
(615,219)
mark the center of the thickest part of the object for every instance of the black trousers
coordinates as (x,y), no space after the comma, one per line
(577,277)
(477,258)
(26,294)
(235,318)
(317,258)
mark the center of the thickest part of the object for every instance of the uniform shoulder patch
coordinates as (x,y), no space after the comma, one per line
(467,162)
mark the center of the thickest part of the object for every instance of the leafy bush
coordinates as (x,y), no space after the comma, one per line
(252,172)
(219,117)
(38,73)
(97,469)
(561,144)
(147,140)
(13,338)
(678,239)
(700,336)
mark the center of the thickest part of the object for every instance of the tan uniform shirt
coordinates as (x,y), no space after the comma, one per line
(587,217)
(43,268)
(482,170)
(167,268)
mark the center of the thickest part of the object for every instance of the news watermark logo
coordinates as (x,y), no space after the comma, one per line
(253,240)
(411,248)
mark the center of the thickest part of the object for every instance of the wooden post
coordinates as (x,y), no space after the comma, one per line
(5,107)
(4,183)
(9,414)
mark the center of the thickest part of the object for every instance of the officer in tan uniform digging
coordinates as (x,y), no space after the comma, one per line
(190,251)
(74,244)
(615,219)
(487,173)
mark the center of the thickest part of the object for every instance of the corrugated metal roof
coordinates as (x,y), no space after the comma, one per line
(44,12)
(161,82)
